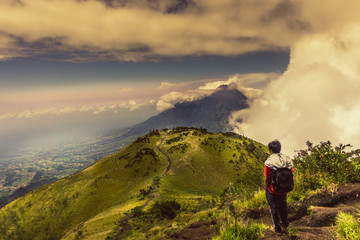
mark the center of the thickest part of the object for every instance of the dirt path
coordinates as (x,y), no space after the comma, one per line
(168,158)
(314,224)
(316,215)
(124,222)
(313,217)
(161,175)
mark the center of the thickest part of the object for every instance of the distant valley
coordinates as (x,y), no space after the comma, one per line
(27,169)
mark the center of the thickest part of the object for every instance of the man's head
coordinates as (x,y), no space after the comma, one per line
(274,146)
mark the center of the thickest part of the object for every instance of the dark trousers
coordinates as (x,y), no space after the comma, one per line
(278,209)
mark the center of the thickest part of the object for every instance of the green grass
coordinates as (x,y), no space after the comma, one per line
(100,226)
(347,227)
(210,164)
(52,210)
(212,176)
(241,231)
(257,200)
(88,204)
(293,232)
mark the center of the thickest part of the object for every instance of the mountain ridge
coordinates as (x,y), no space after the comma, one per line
(200,169)
(176,184)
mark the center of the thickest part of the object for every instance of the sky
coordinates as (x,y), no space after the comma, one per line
(77,67)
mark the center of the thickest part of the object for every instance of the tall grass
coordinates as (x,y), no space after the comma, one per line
(241,231)
(347,227)
(257,200)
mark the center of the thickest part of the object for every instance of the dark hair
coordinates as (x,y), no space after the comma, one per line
(275,146)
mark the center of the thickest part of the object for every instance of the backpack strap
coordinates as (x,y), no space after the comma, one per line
(281,160)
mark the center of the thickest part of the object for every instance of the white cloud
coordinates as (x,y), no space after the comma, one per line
(161,105)
(124,90)
(243,83)
(168,100)
(316,99)
(95,109)
(205,88)
(166,85)
(347,121)
(141,30)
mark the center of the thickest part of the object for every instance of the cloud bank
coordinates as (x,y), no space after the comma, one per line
(131,105)
(146,30)
(316,99)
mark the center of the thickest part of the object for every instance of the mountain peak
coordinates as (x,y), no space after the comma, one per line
(211,112)
(230,94)
(227,87)
(223,87)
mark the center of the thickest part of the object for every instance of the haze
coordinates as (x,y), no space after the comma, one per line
(64,71)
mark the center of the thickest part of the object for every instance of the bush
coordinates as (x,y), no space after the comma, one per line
(257,200)
(347,227)
(137,211)
(323,164)
(166,209)
(242,232)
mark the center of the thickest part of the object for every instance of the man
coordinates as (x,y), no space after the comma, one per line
(277,201)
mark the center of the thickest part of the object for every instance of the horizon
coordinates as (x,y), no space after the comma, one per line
(296,61)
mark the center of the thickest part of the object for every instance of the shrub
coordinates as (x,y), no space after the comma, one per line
(242,232)
(137,211)
(79,235)
(347,227)
(257,200)
(323,164)
(179,148)
(166,209)
(174,139)
(293,232)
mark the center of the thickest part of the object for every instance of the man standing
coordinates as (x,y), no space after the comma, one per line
(277,199)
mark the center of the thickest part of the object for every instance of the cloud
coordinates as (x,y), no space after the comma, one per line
(124,90)
(131,105)
(316,99)
(200,89)
(146,30)
(162,105)
(249,84)
(166,85)
(168,100)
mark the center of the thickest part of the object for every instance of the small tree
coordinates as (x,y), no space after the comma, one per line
(323,164)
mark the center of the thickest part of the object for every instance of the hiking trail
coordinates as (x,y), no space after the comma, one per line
(124,222)
(314,225)
(315,216)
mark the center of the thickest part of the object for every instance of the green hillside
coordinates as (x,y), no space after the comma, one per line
(184,168)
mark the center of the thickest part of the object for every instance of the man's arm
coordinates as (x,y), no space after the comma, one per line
(266,183)
(266,176)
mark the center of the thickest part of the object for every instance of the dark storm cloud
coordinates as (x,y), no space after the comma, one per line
(290,12)
(167,6)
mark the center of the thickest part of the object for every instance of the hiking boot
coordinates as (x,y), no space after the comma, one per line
(277,233)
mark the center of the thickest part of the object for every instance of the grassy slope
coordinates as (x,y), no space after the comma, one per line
(207,164)
(92,200)
(49,211)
